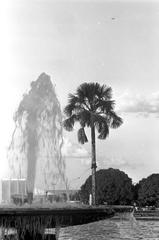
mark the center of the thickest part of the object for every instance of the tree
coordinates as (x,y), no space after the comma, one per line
(113,187)
(148,191)
(92,106)
(135,192)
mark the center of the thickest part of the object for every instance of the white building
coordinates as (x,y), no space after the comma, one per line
(10,187)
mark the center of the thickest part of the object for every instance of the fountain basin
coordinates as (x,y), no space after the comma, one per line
(51,217)
(31,222)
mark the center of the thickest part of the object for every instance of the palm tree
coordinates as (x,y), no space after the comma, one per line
(92,106)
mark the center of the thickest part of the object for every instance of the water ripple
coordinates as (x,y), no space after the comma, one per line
(113,229)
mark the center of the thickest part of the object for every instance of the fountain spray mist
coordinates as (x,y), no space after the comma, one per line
(35,149)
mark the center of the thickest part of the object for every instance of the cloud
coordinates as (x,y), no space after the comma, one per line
(140,104)
(74,150)
(119,162)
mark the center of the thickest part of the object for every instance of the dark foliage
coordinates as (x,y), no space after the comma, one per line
(135,189)
(113,187)
(148,191)
(91,105)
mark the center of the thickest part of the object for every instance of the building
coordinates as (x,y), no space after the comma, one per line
(11,187)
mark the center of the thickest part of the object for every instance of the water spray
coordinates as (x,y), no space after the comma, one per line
(35,149)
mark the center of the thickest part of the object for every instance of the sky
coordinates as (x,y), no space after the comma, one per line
(110,42)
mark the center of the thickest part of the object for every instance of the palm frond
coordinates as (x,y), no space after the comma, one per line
(92,91)
(82,92)
(88,91)
(115,120)
(82,138)
(104,133)
(105,106)
(101,125)
(84,117)
(69,123)
(73,102)
(106,92)
(68,110)
(85,95)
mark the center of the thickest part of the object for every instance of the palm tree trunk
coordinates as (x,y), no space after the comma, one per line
(93,165)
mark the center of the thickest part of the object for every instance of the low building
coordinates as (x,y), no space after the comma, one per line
(11,187)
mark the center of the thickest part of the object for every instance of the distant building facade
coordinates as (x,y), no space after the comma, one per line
(11,187)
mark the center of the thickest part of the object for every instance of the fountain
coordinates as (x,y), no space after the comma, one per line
(35,149)
(35,155)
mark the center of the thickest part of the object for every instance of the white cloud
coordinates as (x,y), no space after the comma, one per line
(138,103)
(119,162)
(74,150)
